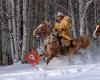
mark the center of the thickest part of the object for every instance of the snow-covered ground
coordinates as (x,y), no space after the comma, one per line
(80,67)
(69,72)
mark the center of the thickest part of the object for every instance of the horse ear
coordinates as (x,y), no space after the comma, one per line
(47,22)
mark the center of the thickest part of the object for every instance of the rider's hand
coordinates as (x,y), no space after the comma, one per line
(55,33)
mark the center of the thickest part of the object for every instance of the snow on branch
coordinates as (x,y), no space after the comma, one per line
(86,7)
(58,5)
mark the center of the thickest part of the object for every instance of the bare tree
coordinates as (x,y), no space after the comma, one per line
(25,44)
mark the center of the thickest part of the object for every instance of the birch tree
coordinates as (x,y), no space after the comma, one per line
(14,29)
(82,13)
(10,29)
(72,17)
(4,33)
(25,44)
(19,27)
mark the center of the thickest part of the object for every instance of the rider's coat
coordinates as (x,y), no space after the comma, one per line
(63,29)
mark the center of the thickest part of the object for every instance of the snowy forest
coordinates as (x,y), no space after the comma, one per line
(18,19)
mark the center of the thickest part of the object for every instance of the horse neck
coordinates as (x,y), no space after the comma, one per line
(48,33)
(45,36)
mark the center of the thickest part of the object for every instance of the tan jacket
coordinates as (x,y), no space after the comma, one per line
(63,28)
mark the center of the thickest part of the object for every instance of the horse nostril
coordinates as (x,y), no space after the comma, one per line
(38,33)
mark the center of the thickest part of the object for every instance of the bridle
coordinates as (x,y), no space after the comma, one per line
(53,32)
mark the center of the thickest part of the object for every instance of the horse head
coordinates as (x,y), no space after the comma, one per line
(42,30)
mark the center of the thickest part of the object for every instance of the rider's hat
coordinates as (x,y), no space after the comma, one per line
(60,14)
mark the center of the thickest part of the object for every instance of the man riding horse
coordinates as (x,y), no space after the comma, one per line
(62,27)
(59,40)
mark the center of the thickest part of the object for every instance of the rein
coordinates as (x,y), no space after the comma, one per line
(53,32)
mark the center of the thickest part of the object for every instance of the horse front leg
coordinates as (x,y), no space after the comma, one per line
(50,57)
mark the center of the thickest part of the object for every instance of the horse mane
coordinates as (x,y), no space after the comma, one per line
(45,22)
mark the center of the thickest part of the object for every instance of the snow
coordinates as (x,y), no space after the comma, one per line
(81,67)
(70,72)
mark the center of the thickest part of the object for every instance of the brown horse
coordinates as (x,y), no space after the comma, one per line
(97,31)
(52,48)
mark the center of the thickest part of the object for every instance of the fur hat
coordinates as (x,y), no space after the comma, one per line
(60,14)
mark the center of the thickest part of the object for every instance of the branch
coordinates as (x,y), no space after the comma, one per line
(58,5)
(86,7)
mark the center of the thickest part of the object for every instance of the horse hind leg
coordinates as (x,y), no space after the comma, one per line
(70,52)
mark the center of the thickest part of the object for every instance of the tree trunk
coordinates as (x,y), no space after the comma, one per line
(73,19)
(14,30)
(25,44)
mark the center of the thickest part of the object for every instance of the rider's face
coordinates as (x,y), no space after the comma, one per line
(58,18)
